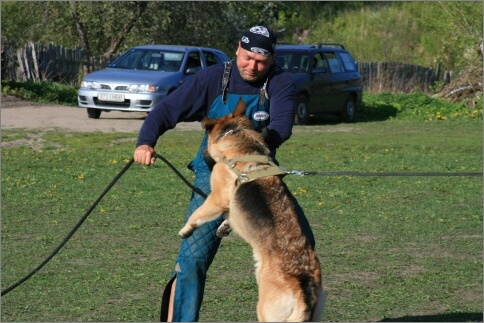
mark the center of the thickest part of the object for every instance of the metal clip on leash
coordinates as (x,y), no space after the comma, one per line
(297,172)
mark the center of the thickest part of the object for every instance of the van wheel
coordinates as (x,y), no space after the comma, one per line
(349,110)
(93,113)
(302,114)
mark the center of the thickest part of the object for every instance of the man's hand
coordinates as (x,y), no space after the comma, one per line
(144,155)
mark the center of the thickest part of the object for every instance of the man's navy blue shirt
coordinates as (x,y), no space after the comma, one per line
(198,93)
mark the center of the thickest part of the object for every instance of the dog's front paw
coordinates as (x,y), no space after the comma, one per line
(224,229)
(185,232)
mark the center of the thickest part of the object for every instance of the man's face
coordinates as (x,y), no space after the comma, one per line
(252,67)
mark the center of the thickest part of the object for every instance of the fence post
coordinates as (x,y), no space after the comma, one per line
(35,72)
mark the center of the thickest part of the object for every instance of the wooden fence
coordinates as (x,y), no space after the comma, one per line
(56,63)
(40,62)
(380,77)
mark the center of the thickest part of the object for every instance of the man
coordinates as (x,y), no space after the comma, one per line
(269,95)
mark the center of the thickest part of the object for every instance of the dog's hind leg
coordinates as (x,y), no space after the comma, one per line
(275,305)
(276,299)
(303,313)
(281,304)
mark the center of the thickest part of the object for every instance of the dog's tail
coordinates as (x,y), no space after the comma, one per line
(317,313)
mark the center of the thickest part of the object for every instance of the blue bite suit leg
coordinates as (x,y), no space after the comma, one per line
(195,256)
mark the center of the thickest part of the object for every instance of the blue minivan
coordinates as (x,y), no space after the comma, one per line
(326,77)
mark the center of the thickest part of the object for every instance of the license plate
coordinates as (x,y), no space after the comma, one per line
(110,97)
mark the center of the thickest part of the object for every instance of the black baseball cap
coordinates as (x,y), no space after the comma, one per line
(260,40)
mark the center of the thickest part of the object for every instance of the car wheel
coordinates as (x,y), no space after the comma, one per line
(302,114)
(349,110)
(93,113)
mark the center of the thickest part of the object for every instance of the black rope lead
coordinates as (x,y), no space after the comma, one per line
(81,221)
(88,212)
(195,189)
(381,174)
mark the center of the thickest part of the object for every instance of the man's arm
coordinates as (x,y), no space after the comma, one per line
(281,92)
(185,101)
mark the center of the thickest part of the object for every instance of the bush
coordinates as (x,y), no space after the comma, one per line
(416,106)
(45,92)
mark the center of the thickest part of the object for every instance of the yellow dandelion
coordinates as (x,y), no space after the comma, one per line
(302,190)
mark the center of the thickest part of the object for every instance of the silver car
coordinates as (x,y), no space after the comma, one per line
(142,76)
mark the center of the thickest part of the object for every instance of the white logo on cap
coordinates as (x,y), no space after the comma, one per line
(260,116)
(245,39)
(260,30)
(260,51)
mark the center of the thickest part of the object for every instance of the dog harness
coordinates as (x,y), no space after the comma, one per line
(251,175)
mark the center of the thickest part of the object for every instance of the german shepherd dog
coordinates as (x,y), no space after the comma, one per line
(262,212)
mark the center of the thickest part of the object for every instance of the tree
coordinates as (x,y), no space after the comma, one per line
(104,27)
(423,33)
(91,18)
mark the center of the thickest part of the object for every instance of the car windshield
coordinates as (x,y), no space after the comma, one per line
(150,59)
(292,61)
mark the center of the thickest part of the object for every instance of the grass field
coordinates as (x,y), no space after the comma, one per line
(392,248)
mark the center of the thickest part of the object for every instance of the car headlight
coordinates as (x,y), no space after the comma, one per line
(142,88)
(90,85)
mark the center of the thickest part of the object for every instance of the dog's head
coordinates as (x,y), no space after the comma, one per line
(232,121)
(233,134)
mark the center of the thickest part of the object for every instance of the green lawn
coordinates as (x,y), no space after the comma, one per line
(391,248)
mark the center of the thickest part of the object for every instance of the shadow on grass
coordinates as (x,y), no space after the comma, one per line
(376,112)
(452,317)
(373,113)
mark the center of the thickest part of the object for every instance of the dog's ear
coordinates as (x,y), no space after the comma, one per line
(208,124)
(240,109)
(208,159)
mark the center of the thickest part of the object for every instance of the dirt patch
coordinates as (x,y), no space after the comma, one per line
(9,101)
(18,113)
(34,142)
(21,114)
